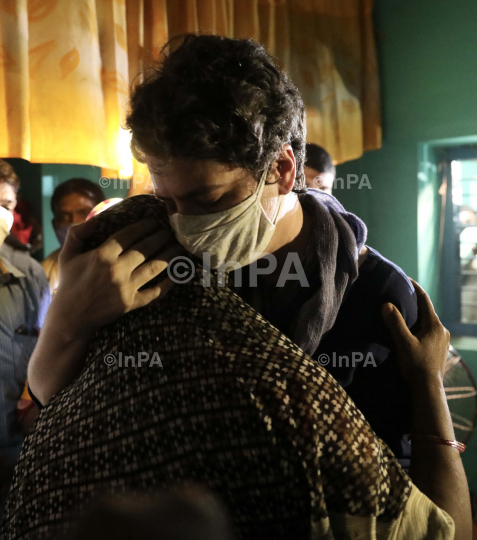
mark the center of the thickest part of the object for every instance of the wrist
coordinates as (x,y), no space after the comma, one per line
(426,390)
(71,325)
(426,380)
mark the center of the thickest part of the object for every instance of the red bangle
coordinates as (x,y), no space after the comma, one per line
(439,440)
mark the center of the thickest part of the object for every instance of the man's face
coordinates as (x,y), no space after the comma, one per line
(8,197)
(72,209)
(205,186)
(317,180)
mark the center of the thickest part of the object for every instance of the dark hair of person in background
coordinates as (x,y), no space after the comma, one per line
(317,158)
(82,186)
(220,99)
(176,514)
(8,175)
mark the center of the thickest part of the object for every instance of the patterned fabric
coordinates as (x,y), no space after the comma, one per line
(228,401)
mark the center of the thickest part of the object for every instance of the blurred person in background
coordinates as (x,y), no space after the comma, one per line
(24,299)
(71,203)
(25,233)
(26,228)
(319,169)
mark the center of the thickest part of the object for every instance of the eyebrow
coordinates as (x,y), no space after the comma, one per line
(195,192)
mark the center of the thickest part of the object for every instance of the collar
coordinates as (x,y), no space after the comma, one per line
(7,270)
(316,196)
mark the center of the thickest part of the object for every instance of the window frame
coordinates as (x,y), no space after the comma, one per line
(450,290)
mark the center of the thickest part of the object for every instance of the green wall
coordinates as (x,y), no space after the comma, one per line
(427,56)
(426,52)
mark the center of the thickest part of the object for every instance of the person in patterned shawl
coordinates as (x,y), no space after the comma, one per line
(229,387)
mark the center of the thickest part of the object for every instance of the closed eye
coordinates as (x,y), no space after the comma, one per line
(204,203)
(209,202)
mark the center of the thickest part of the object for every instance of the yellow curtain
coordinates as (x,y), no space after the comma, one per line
(66,67)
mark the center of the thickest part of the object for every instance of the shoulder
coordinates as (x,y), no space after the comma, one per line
(386,280)
(315,197)
(32,266)
(24,262)
(34,270)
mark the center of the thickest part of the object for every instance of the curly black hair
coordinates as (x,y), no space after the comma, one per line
(211,97)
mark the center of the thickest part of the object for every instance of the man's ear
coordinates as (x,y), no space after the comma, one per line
(285,170)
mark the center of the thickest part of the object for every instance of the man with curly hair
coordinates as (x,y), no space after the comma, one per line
(222,130)
(211,120)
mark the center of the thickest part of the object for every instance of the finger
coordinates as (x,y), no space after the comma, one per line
(150,245)
(427,316)
(154,266)
(127,237)
(76,237)
(396,324)
(145,297)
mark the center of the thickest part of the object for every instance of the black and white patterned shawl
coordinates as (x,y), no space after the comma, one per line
(236,406)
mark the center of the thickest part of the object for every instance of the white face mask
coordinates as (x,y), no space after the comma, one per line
(6,222)
(239,234)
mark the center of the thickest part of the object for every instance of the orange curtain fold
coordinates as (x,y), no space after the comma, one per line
(66,69)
